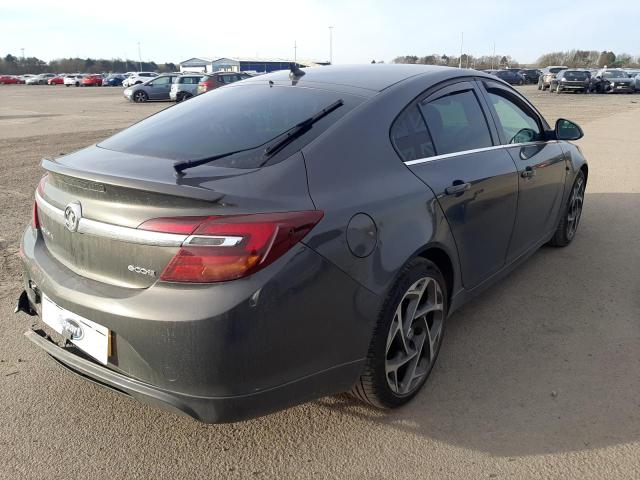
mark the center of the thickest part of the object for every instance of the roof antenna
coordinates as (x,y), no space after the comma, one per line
(295,70)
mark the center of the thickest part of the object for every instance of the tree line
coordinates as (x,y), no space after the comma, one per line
(570,58)
(12,65)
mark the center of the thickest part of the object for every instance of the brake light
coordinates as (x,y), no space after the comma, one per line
(230,247)
(35,221)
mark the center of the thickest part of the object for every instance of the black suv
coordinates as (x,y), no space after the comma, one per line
(510,76)
(530,75)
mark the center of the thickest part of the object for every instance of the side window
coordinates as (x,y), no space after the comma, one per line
(456,123)
(518,125)
(163,81)
(410,137)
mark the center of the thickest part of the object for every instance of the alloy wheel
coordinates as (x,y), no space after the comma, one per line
(575,207)
(139,96)
(414,336)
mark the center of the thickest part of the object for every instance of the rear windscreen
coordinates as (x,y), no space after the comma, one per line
(229,119)
(576,75)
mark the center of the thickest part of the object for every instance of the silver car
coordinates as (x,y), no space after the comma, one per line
(157,88)
(184,87)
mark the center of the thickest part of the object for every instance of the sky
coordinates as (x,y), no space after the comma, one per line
(362,30)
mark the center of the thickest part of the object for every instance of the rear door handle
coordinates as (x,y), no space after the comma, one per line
(457,188)
(528,172)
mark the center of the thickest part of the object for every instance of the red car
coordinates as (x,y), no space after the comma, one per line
(57,80)
(8,79)
(92,81)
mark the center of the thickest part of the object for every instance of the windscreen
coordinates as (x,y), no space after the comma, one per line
(228,119)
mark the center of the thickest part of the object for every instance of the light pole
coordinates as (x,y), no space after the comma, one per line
(494,55)
(139,57)
(330,45)
(295,52)
(461,45)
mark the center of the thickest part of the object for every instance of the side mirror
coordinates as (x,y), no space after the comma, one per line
(567,130)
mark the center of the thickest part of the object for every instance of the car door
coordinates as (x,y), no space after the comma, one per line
(159,88)
(448,142)
(541,166)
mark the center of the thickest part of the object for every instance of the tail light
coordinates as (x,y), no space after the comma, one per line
(230,247)
(35,221)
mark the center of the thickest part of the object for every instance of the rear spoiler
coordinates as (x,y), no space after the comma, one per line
(176,187)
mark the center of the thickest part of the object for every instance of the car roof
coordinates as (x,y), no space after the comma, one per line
(366,77)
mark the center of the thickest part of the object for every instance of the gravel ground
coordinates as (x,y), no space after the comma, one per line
(538,378)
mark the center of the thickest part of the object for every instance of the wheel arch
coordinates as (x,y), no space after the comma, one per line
(439,256)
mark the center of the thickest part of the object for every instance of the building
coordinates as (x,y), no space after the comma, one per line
(241,64)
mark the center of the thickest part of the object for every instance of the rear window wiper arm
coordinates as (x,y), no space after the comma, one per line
(293,133)
(301,128)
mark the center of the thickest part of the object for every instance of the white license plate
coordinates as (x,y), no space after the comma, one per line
(88,336)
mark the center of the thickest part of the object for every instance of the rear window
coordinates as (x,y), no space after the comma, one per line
(576,75)
(556,69)
(230,119)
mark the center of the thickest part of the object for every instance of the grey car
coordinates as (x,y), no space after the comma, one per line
(184,87)
(158,88)
(293,235)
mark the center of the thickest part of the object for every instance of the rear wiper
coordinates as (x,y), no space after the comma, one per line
(179,167)
(287,137)
(300,129)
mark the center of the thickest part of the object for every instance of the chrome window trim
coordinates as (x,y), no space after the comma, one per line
(454,154)
(114,232)
(476,150)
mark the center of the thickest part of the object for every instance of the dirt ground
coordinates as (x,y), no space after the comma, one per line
(538,378)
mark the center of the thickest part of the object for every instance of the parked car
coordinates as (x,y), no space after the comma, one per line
(57,80)
(40,79)
(157,88)
(184,87)
(8,79)
(530,75)
(114,80)
(613,80)
(74,79)
(137,78)
(222,264)
(571,80)
(92,80)
(510,76)
(24,78)
(635,76)
(214,80)
(547,74)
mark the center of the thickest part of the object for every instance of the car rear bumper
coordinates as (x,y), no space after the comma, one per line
(297,330)
(206,409)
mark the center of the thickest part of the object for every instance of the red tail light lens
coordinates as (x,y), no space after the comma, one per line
(230,247)
(35,221)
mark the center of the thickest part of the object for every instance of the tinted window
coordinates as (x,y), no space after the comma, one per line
(614,74)
(410,137)
(456,123)
(556,69)
(161,81)
(229,119)
(576,75)
(518,125)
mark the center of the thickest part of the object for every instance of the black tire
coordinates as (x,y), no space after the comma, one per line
(374,385)
(186,96)
(558,89)
(140,96)
(566,230)
(539,86)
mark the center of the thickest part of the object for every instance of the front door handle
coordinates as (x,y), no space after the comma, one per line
(528,172)
(457,188)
